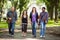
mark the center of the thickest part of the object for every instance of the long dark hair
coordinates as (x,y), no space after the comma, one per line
(33,8)
(23,13)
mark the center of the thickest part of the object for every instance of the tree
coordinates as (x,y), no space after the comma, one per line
(14,3)
(56,9)
(51,5)
(2,2)
(23,4)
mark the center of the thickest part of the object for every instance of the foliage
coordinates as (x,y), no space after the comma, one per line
(2,2)
(51,5)
(23,4)
(14,3)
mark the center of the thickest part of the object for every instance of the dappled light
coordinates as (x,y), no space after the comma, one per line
(29,19)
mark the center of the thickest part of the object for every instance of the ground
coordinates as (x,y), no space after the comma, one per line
(52,33)
(18,36)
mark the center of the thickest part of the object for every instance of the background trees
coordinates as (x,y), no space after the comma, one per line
(51,5)
(14,3)
(2,2)
(23,4)
(52,8)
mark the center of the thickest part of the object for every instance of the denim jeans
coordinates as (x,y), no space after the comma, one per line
(11,28)
(34,28)
(43,28)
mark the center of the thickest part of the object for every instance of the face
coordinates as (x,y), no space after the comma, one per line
(24,12)
(12,9)
(43,10)
(34,9)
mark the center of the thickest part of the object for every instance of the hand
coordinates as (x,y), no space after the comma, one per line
(9,18)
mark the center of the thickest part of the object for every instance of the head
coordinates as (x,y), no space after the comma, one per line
(34,9)
(43,9)
(12,9)
(24,12)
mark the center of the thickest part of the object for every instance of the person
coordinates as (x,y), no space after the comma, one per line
(11,19)
(34,20)
(43,21)
(24,23)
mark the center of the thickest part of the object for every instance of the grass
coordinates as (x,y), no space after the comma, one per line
(3,25)
(51,23)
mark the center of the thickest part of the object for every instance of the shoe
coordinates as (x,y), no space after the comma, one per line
(41,36)
(34,36)
(12,35)
(9,34)
(24,35)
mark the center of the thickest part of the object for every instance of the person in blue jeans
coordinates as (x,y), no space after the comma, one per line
(11,19)
(43,21)
(34,20)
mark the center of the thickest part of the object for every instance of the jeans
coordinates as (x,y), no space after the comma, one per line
(34,28)
(11,28)
(43,28)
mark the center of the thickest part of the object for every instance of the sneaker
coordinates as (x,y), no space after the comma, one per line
(41,36)
(34,36)
(12,35)
(9,34)
(24,35)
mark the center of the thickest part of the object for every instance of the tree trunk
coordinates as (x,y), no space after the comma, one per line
(56,11)
(56,14)
(50,10)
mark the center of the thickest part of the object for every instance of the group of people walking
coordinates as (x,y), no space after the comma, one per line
(43,19)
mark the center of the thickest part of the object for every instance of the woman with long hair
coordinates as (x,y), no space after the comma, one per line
(34,20)
(24,23)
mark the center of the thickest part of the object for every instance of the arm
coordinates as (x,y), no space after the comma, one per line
(27,19)
(47,16)
(37,17)
(15,15)
(7,15)
(30,17)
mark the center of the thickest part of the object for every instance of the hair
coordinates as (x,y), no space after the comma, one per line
(35,9)
(23,13)
(43,8)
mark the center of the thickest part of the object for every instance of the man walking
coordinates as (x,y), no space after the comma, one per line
(11,19)
(43,20)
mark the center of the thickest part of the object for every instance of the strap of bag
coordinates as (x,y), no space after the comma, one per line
(42,16)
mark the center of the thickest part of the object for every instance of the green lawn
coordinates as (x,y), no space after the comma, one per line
(50,24)
(3,25)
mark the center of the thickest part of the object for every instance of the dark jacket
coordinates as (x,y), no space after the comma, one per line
(36,16)
(9,15)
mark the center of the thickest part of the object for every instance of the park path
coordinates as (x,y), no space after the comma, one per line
(5,36)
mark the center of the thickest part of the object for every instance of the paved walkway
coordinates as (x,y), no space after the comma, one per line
(17,36)
(4,35)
